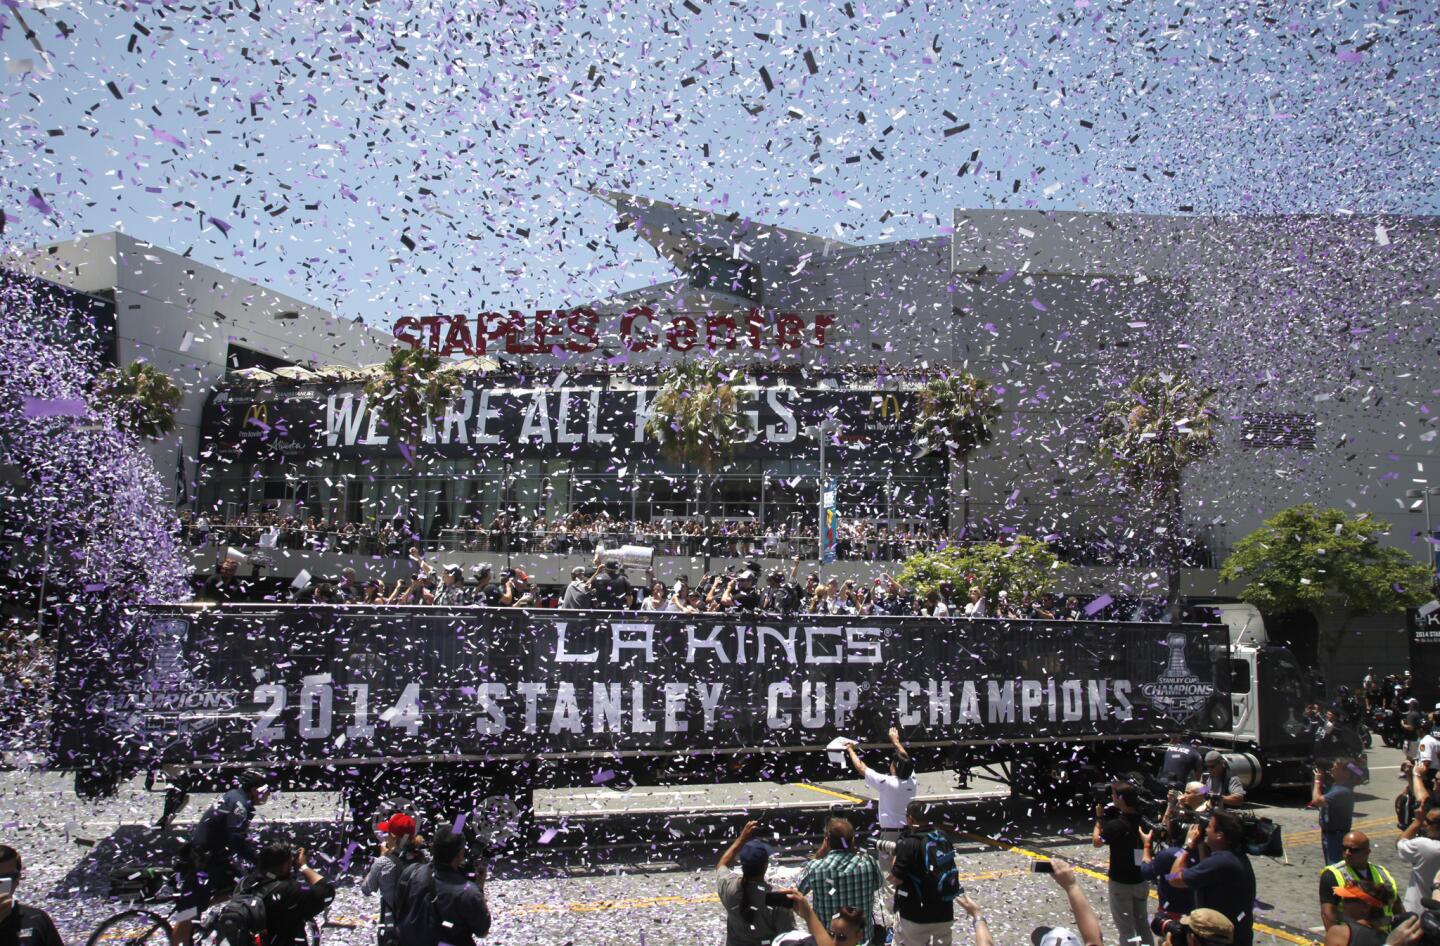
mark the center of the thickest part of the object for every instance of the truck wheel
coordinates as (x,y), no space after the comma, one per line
(96,783)
(1217,716)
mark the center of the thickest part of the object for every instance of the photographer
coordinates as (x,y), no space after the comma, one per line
(1118,825)
(1222,879)
(1200,928)
(289,903)
(1336,805)
(1157,864)
(754,913)
(1222,788)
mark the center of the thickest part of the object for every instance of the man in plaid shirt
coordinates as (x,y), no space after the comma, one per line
(841,875)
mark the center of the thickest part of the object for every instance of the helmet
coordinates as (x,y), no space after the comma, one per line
(251,779)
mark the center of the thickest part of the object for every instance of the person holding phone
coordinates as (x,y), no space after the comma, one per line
(20,923)
(755,913)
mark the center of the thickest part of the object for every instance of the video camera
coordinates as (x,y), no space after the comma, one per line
(1429,921)
(1262,836)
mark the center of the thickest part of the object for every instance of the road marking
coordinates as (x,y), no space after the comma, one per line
(646,903)
(843,796)
(1286,935)
(1312,835)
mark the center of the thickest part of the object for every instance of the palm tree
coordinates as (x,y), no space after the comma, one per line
(958,413)
(1162,424)
(143,397)
(696,419)
(411,384)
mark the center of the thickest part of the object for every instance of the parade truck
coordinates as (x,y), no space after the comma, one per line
(476,707)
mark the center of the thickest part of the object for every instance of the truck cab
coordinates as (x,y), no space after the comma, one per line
(1262,729)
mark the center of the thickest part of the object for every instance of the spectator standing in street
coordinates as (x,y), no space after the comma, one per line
(1364,915)
(1118,826)
(1354,866)
(21,924)
(925,880)
(1223,878)
(1222,788)
(841,875)
(401,847)
(1412,725)
(1336,805)
(751,918)
(896,791)
(1419,848)
(1087,924)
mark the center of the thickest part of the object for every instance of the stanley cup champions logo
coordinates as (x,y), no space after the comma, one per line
(1177,693)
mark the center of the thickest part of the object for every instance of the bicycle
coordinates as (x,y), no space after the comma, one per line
(141,926)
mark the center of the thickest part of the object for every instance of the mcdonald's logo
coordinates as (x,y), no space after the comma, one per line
(885,406)
(258,415)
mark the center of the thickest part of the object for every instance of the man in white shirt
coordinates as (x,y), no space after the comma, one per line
(895,792)
(1419,849)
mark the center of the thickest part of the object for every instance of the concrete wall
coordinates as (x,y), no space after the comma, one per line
(182,316)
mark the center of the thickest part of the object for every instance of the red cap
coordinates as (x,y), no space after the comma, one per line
(399,824)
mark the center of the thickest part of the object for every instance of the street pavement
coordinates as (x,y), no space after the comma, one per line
(638,867)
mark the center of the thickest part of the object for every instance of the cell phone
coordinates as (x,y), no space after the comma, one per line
(773,899)
(1042,867)
(7,886)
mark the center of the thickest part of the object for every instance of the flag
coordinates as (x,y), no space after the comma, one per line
(829,522)
(182,486)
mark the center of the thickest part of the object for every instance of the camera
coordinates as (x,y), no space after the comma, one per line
(885,847)
(1429,922)
(1168,925)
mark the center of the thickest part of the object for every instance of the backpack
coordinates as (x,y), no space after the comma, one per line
(402,858)
(941,880)
(417,915)
(242,920)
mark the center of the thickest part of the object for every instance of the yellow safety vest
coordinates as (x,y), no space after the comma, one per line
(1379,875)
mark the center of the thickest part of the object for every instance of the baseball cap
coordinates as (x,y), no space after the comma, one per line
(454,569)
(1213,926)
(746,576)
(1214,757)
(612,563)
(482,569)
(755,854)
(398,824)
(1054,936)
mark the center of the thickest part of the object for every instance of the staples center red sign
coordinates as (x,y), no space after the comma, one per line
(636,329)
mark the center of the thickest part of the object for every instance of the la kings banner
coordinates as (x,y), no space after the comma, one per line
(293,683)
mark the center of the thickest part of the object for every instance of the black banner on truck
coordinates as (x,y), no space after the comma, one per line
(287,684)
(1423,623)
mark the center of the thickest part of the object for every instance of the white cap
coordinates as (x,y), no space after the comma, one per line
(1055,936)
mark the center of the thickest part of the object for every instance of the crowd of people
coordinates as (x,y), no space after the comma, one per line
(856,539)
(605,585)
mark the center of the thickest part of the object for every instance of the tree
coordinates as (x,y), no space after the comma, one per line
(1322,561)
(1162,424)
(1025,568)
(696,419)
(143,397)
(411,384)
(957,413)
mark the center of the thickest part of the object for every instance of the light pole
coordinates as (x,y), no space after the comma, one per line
(820,432)
(1422,504)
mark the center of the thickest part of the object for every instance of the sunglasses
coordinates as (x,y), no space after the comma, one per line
(840,934)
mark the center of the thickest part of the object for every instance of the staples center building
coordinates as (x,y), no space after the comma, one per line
(1058,310)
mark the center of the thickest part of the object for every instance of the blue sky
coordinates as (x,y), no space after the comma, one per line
(387,158)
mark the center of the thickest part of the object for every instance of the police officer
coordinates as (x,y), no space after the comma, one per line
(222,836)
